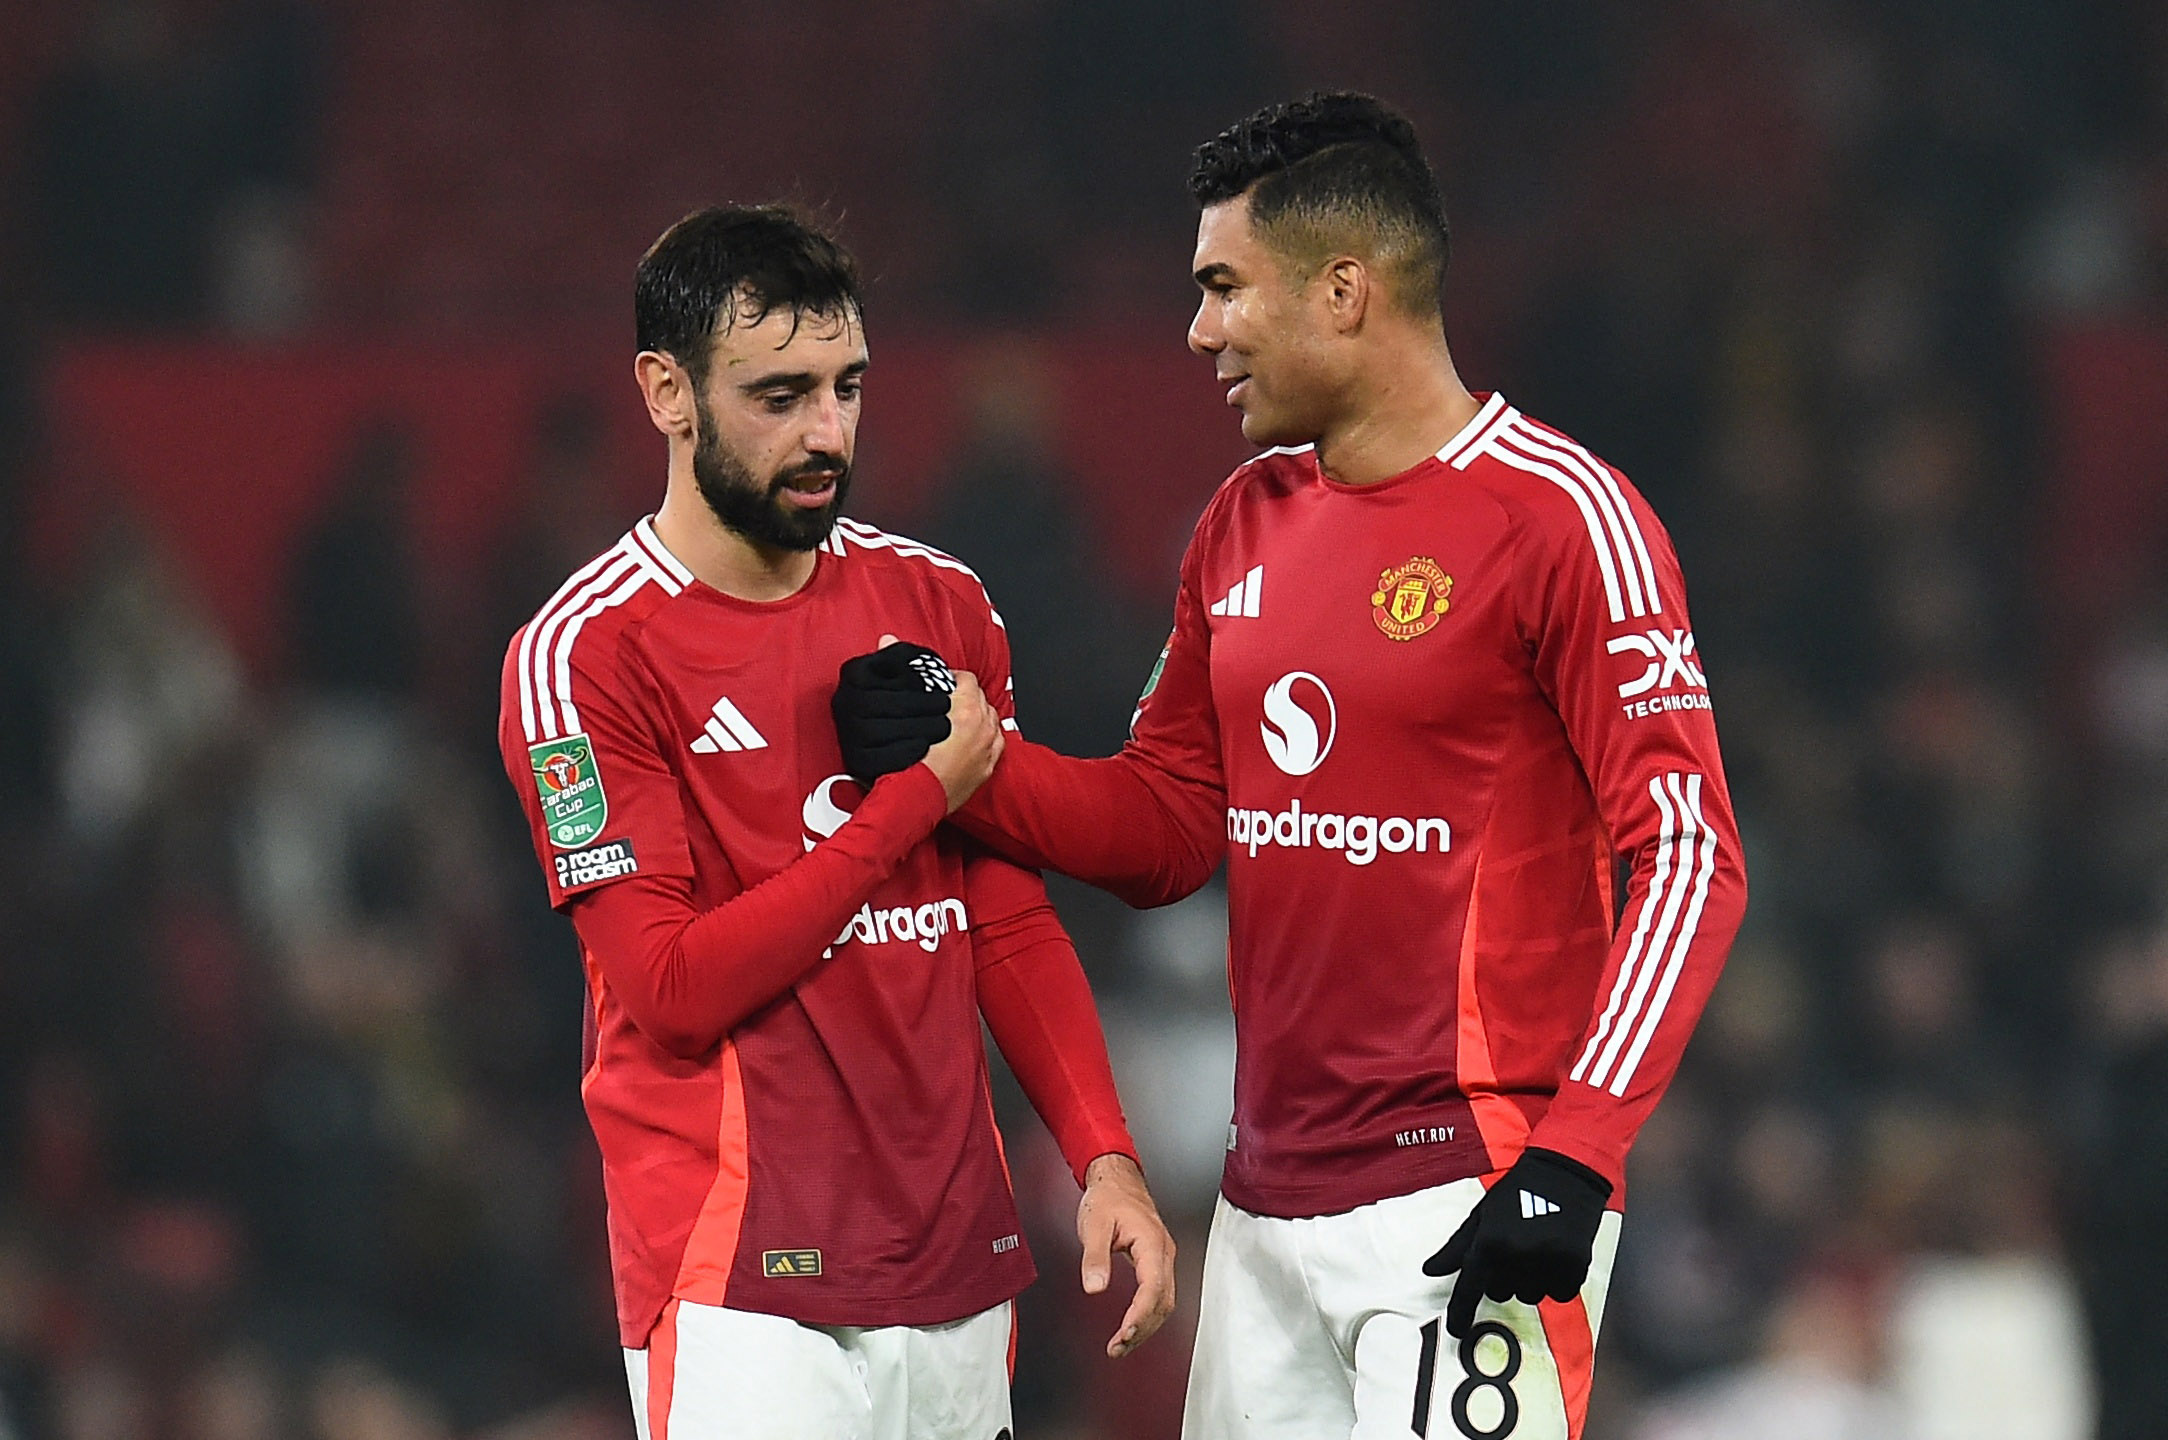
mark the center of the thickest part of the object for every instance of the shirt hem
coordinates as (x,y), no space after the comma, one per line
(1305,1202)
(939,1308)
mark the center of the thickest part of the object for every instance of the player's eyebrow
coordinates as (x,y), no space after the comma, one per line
(1218,272)
(796,379)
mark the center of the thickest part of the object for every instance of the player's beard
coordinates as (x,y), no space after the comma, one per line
(756,511)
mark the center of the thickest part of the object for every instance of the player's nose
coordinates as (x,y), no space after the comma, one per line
(1205,336)
(828,433)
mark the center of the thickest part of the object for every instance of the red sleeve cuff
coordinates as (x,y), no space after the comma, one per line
(1605,1160)
(919,791)
(1039,1007)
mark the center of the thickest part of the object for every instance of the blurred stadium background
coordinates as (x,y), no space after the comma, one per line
(314,354)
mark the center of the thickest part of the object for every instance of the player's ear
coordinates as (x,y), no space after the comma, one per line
(1349,289)
(667,389)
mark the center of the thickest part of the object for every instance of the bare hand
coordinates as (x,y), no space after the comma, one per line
(1117,1215)
(966,758)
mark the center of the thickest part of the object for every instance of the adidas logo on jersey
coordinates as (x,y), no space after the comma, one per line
(1534,1205)
(782,1264)
(1247,599)
(728,731)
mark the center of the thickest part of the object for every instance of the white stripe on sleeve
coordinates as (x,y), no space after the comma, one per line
(1638,575)
(1596,534)
(1633,523)
(545,633)
(1687,927)
(1666,833)
(1666,922)
(568,714)
(529,695)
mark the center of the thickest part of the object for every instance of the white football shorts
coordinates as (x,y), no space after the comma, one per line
(716,1374)
(1324,1328)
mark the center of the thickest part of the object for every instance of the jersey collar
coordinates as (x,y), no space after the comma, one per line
(644,536)
(1476,431)
(1456,452)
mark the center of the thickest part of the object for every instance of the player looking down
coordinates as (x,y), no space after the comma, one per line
(811,1226)
(1431,683)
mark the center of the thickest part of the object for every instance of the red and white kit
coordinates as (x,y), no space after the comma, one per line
(786,975)
(1423,719)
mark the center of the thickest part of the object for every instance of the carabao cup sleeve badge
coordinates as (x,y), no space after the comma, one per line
(573,805)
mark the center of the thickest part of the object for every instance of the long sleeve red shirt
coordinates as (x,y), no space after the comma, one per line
(689,977)
(786,972)
(1425,721)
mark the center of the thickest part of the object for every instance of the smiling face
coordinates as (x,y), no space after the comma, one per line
(1264,327)
(778,424)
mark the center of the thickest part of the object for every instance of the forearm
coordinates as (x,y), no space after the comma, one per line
(688,977)
(1120,823)
(1039,1007)
(1679,923)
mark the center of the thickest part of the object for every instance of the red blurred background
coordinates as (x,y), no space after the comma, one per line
(314,380)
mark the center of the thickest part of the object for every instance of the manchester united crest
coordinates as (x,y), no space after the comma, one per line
(1411,599)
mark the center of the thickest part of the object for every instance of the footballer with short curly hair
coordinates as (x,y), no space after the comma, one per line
(1433,695)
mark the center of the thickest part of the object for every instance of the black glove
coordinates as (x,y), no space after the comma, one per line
(1529,1239)
(891,707)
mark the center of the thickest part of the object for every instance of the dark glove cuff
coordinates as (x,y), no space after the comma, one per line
(1566,1168)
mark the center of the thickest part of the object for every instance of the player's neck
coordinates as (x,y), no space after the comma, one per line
(1403,411)
(724,560)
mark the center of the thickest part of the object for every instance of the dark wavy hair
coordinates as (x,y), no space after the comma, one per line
(731,262)
(1335,173)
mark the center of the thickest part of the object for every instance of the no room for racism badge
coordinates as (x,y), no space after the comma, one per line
(573,805)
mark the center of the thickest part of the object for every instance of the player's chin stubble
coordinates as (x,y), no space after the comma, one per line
(756,511)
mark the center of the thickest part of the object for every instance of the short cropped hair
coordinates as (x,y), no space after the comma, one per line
(731,261)
(1336,173)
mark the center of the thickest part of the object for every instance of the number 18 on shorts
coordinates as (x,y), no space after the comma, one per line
(1327,1326)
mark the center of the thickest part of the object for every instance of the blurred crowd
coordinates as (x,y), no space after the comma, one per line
(289,1133)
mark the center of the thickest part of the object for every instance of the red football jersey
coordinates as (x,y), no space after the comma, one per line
(834,1159)
(1422,718)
